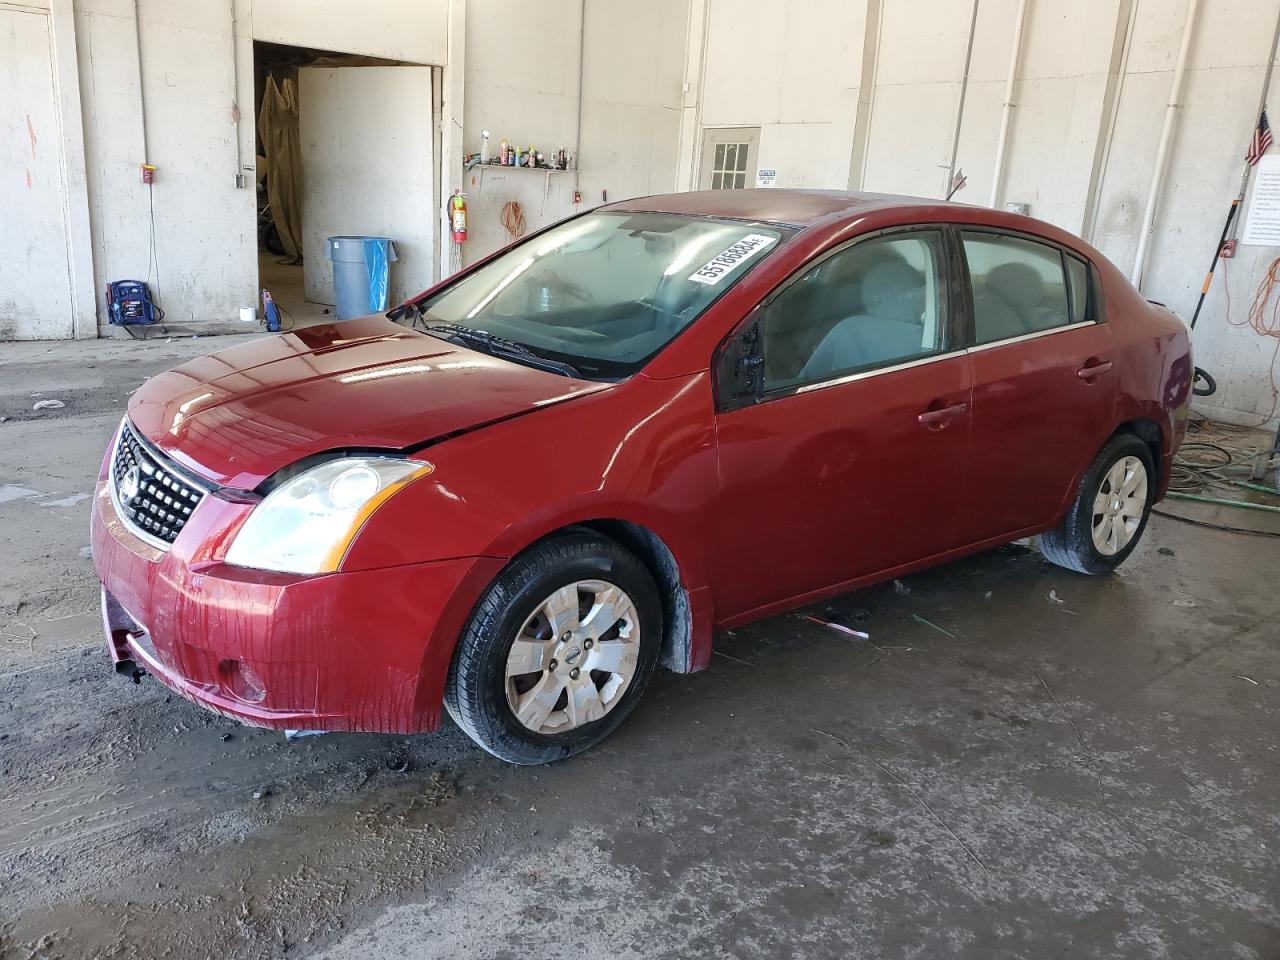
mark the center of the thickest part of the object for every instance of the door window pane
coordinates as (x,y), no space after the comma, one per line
(1078,280)
(876,303)
(1018,286)
(728,166)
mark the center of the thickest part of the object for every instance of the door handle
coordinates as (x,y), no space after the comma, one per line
(1090,371)
(937,419)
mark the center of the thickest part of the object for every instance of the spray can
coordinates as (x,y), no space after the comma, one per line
(484,146)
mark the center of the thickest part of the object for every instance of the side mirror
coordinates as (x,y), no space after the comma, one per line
(741,373)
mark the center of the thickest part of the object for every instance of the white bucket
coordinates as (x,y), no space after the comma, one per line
(249,314)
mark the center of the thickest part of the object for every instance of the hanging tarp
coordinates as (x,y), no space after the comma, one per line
(278,128)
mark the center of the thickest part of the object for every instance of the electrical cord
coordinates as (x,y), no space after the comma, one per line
(152,259)
(1213,449)
(1195,464)
(1218,456)
(1227,528)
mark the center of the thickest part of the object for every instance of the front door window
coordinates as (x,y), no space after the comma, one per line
(876,303)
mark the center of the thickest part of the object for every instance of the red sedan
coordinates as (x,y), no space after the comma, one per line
(523,490)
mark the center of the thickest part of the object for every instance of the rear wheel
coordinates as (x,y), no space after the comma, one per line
(1110,510)
(557,652)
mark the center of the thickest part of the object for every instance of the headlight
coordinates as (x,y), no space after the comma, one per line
(306,524)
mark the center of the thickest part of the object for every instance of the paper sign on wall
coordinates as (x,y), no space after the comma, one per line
(1262,229)
(766,177)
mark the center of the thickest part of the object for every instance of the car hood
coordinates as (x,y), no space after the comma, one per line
(239,415)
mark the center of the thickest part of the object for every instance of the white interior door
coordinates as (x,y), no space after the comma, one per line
(367,169)
(35,278)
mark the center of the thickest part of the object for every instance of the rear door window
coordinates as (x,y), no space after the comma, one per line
(1019,286)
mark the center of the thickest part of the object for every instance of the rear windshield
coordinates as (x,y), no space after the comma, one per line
(606,291)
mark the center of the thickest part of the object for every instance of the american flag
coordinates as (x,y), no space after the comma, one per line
(1261,140)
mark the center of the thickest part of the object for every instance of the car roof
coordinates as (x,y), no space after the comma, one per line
(833,210)
(798,208)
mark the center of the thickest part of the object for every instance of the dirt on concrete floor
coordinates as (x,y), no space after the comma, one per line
(1020,763)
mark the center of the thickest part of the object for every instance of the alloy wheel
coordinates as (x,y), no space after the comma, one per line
(574,657)
(1119,506)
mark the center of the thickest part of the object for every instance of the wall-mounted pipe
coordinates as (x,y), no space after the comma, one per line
(577,137)
(1121,44)
(866,95)
(964,89)
(1162,151)
(142,92)
(1002,143)
(235,96)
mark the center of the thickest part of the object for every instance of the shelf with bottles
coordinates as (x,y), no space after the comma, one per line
(511,156)
(499,168)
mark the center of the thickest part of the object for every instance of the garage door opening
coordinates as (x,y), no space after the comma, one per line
(345,148)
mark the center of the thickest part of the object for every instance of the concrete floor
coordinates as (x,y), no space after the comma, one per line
(998,774)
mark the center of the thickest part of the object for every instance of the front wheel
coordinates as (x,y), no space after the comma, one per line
(558,650)
(1110,511)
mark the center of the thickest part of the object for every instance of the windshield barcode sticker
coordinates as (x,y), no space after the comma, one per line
(718,267)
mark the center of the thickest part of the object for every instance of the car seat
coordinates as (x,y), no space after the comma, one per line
(890,326)
(1012,304)
(833,292)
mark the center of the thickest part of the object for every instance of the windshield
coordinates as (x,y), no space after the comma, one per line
(606,291)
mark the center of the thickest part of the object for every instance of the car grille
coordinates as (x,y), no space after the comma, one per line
(153,496)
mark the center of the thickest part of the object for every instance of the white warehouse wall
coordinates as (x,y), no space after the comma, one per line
(846,93)
(1220,97)
(205,227)
(797,71)
(791,69)
(410,30)
(522,69)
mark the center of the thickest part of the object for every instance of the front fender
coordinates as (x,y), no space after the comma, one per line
(642,452)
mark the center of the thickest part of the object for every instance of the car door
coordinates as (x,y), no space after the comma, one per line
(842,423)
(1044,387)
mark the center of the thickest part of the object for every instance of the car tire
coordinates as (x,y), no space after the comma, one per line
(482,696)
(1075,544)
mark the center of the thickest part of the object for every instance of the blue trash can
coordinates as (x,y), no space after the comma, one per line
(361,273)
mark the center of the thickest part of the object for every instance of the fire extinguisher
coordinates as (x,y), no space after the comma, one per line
(458,217)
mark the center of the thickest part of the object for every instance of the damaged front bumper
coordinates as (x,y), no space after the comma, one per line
(366,650)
